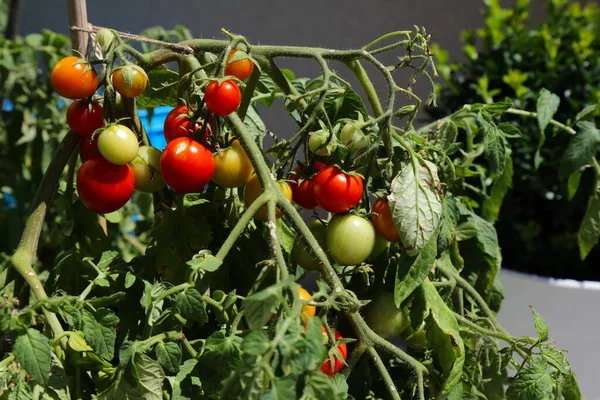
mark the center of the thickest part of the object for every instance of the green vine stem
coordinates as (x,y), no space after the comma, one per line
(535,115)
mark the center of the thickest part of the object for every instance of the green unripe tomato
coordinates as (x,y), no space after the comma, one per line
(146,169)
(385,318)
(317,140)
(381,245)
(118,144)
(349,239)
(302,253)
(105,38)
(352,137)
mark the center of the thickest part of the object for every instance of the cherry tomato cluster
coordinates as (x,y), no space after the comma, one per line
(327,367)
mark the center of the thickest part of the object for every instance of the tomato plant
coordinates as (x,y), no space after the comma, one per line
(222,98)
(232,166)
(336,191)
(349,239)
(139,301)
(84,118)
(239,65)
(104,187)
(146,169)
(130,81)
(118,144)
(178,124)
(73,78)
(186,165)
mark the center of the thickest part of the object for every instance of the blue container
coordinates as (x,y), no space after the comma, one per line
(155,128)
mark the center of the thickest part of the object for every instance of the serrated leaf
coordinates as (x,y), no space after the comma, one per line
(259,307)
(32,350)
(107,258)
(150,378)
(416,205)
(494,149)
(448,135)
(556,359)
(283,389)
(192,305)
(99,331)
(541,327)
(256,343)
(546,106)
(466,231)
(412,271)
(169,356)
(21,391)
(255,125)
(161,90)
(492,204)
(582,146)
(509,130)
(78,343)
(532,383)
(570,388)
(319,386)
(444,338)
(589,230)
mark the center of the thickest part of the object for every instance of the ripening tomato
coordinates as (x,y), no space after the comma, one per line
(302,253)
(130,81)
(349,239)
(177,124)
(242,67)
(88,148)
(118,144)
(232,166)
(382,221)
(70,79)
(104,187)
(317,140)
(308,311)
(329,368)
(254,189)
(84,117)
(186,165)
(146,168)
(222,99)
(336,191)
(303,193)
(384,317)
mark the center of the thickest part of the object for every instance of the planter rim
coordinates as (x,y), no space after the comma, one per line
(566,283)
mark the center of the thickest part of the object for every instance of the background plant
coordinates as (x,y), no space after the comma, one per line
(210,308)
(549,221)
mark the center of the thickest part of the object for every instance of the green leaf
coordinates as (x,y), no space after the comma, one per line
(588,113)
(443,335)
(448,135)
(283,389)
(256,343)
(150,378)
(32,351)
(78,343)
(532,383)
(573,184)
(161,90)
(509,130)
(255,125)
(115,217)
(494,149)
(223,354)
(21,391)
(465,231)
(416,205)
(285,235)
(547,105)
(107,259)
(192,305)
(259,307)
(580,150)
(589,230)
(319,386)
(412,271)
(492,204)
(99,331)
(169,356)
(570,389)
(204,262)
(541,327)
(556,359)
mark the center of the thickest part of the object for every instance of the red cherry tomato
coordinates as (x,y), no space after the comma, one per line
(336,191)
(104,187)
(241,69)
(88,148)
(84,117)
(382,221)
(186,165)
(303,193)
(177,124)
(327,368)
(70,79)
(222,99)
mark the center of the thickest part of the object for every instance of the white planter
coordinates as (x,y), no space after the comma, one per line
(572,310)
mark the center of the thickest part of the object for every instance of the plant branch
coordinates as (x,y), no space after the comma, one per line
(531,114)
(384,373)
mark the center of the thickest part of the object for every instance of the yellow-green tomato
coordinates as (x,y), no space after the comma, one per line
(146,169)
(317,140)
(384,317)
(118,144)
(232,167)
(303,254)
(353,137)
(349,239)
